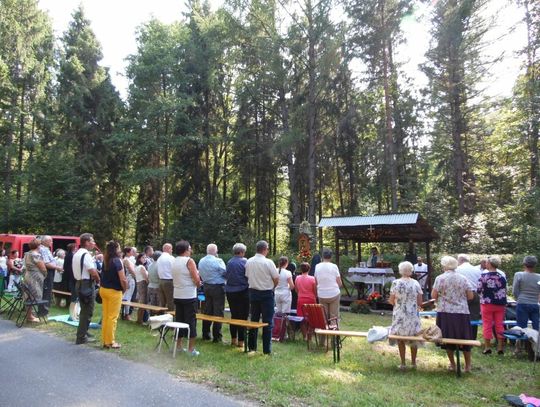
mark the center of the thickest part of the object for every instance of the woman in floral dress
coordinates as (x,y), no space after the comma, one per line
(492,292)
(406,297)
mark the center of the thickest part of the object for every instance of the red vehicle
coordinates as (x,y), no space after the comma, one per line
(11,242)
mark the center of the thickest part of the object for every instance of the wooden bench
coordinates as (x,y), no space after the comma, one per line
(236,322)
(152,308)
(339,336)
(60,293)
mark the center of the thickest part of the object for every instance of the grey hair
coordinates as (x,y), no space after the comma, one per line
(495,261)
(261,245)
(211,249)
(405,268)
(462,258)
(45,238)
(530,261)
(449,263)
(239,248)
(326,253)
(60,252)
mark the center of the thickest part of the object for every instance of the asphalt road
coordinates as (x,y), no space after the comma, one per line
(38,369)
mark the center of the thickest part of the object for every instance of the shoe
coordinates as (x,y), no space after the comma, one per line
(194,352)
(240,344)
(486,352)
(32,319)
(206,338)
(413,367)
(500,352)
(402,367)
(216,340)
(81,342)
(451,368)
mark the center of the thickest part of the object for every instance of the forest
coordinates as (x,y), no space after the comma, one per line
(242,122)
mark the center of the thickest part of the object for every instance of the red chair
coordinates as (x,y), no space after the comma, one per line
(315,318)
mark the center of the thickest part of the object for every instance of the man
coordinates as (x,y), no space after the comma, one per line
(50,264)
(421,274)
(262,278)
(86,276)
(149,253)
(212,270)
(166,288)
(472,273)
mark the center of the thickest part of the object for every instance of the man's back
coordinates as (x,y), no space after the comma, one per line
(470,272)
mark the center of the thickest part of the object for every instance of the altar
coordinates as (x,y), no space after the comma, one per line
(374,278)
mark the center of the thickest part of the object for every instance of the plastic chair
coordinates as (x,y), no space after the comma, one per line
(315,318)
(29,301)
(176,326)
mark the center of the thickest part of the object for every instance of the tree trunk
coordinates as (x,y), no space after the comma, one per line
(311,113)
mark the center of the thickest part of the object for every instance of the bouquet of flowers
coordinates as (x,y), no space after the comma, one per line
(304,255)
(374,298)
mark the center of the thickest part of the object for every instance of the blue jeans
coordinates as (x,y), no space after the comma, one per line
(262,304)
(526,312)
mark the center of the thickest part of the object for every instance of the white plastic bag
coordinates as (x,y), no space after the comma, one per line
(377,333)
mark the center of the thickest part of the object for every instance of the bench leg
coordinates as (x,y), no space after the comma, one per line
(458,363)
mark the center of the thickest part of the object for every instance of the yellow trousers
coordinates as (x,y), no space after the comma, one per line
(111,303)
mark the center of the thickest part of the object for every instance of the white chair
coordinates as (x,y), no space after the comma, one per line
(176,326)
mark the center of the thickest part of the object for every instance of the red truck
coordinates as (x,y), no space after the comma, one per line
(11,242)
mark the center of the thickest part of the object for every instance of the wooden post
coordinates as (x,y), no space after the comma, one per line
(359,251)
(336,243)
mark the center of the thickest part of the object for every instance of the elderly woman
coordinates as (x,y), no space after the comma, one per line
(492,292)
(452,291)
(186,280)
(406,297)
(526,290)
(237,291)
(35,274)
(328,284)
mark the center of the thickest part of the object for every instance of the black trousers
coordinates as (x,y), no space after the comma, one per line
(87,309)
(239,304)
(47,291)
(214,305)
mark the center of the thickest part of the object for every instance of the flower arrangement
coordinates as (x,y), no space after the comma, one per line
(304,255)
(374,298)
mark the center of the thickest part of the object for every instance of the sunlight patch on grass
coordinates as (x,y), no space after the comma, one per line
(341,376)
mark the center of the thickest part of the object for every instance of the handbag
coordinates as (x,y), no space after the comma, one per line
(86,293)
(99,300)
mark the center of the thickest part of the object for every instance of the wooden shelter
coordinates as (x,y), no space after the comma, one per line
(384,228)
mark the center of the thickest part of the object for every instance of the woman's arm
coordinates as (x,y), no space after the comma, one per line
(392,299)
(41,266)
(434,294)
(419,300)
(470,295)
(130,268)
(144,273)
(192,267)
(291,283)
(339,282)
(515,286)
(122,278)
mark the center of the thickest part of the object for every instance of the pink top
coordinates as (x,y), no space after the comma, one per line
(305,285)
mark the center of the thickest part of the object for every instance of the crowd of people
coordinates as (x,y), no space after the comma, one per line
(465,293)
(256,288)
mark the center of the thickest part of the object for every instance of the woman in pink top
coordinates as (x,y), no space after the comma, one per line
(306,287)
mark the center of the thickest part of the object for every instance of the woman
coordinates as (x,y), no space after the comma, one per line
(236,289)
(129,267)
(328,282)
(526,291)
(113,284)
(492,292)
(406,297)
(186,280)
(3,266)
(283,296)
(374,258)
(306,287)
(59,257)
(141,279)
(34,275)
(15,269)
(452,291)
(153,280)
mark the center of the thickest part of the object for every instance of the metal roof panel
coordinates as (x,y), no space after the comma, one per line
(387,219)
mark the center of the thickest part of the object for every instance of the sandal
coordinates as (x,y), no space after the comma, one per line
(33,319)
(486,352)
(451,368)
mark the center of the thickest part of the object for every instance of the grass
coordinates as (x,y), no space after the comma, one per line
(366,376)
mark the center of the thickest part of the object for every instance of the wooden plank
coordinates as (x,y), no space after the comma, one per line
(464,342)
(58,292)
(230,321)
(148,307)
(406,338)
(331,332)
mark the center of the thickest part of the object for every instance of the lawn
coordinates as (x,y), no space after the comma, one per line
(366,376)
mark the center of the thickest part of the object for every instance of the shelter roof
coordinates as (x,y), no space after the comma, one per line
(391,227)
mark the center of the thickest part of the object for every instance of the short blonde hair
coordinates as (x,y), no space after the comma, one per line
(405,268)
(449,263)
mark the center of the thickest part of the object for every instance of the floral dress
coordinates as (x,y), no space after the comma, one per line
(33,276)
(405,319)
